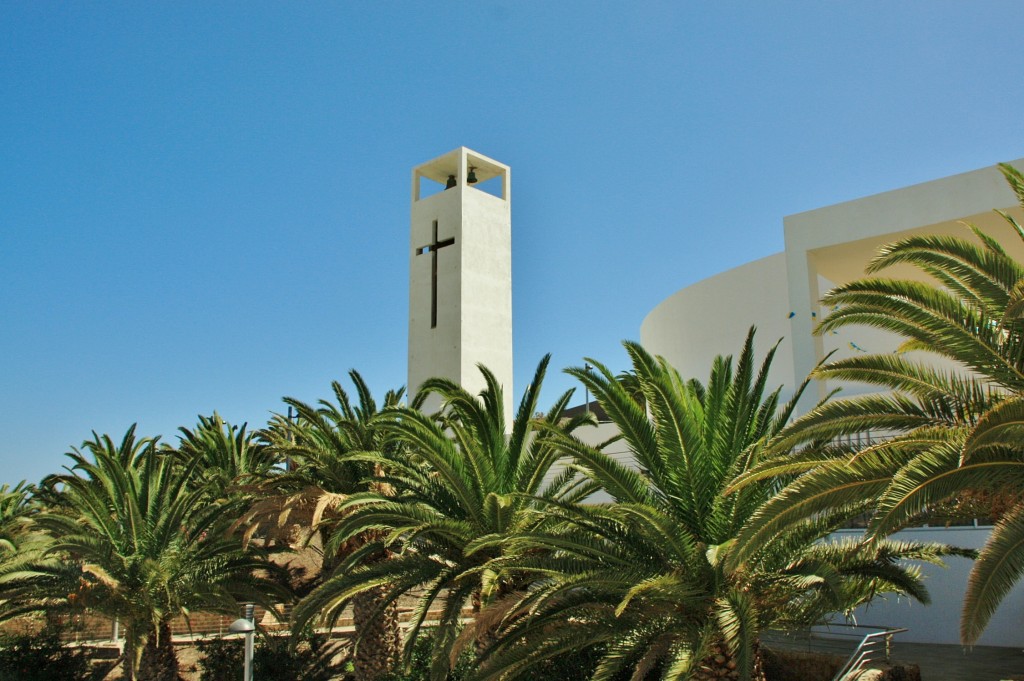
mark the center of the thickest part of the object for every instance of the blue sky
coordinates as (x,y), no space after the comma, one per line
(205,205)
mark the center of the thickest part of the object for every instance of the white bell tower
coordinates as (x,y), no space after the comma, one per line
(460,273)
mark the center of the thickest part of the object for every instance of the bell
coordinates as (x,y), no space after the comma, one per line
(450,183)
(471,178)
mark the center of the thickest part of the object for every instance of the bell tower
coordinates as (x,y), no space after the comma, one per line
(460,273)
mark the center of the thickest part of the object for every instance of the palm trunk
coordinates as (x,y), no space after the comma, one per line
(128,659)
(380,640)
(486,632)
(159,661)
(129,656)
(722,665)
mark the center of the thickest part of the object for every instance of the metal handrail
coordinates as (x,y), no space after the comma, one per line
(866,650)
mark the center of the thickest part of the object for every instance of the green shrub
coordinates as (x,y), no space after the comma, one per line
(578,665)
(419,668)
(222,659)
(575,666)
(41,657)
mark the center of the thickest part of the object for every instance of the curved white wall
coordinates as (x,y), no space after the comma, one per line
(711,317)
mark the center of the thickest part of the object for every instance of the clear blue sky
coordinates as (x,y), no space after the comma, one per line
(205,205)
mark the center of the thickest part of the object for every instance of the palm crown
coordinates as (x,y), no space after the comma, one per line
(651,578)
(461,485)
(132,539)
(947,432)
(335,450)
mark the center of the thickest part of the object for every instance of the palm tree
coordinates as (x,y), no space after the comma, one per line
(134,539)
(650,580)
(331,448)
(20,540)
(15,509)
(231,456)
(463,483)
(950,433)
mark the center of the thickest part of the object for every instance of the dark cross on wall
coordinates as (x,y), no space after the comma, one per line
(432,249)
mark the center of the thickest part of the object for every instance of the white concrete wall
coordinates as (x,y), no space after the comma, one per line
(486,292)
(434,351)
(939,622)
(852,341)
(838,241)
(711,317)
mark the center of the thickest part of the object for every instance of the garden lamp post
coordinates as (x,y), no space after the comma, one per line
(244,625)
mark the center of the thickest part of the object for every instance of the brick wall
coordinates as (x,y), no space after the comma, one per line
(88,627)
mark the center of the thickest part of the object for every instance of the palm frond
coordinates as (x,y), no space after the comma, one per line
(999,567)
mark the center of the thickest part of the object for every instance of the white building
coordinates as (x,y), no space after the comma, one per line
(460,314)
(824,247)
(780,293)
(460,272)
